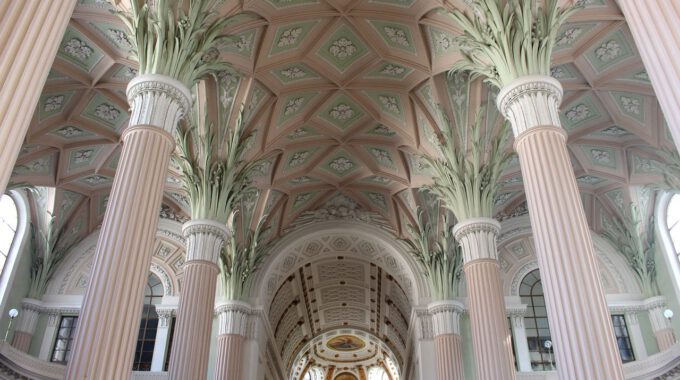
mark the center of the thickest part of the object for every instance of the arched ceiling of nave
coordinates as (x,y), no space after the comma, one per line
(343,93)
(340,295)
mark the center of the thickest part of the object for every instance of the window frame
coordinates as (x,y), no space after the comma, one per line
(70,339)
(9,270)
(670,257)
(625,338)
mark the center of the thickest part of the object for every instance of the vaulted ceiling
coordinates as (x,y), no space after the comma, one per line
(342,95)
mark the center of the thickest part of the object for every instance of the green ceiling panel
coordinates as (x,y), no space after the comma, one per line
(289,37)
(610,51)
(78,50)
(105,111)
(343,48)
(395,35)
(342,112)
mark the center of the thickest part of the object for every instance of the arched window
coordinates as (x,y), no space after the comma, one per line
(8,227)
(146,340)
(536,323)
(13,231)
(673,222)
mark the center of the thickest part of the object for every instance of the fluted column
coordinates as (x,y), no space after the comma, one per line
(490,335)
(28,319)
(653,24)
(30,33)
(189,357)
(661,326)
(583,336)
(448,346)
(233,330)
(109,322)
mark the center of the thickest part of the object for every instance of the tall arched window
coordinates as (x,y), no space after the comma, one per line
(146,340)
(673,221)
(13,222)
(536,323)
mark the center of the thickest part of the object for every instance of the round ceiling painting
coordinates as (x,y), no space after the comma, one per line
(346,343)
(346,376)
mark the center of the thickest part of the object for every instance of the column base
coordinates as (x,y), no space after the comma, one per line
(665,339)
(22,340)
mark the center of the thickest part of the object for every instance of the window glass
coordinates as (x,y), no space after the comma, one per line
(62,346)
(146,340)
(536,323)
(8,226)
(622,338)
(673,221)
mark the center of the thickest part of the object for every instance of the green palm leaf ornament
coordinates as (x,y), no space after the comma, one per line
(175,37)
(471,161)
(431,243)
(505,40)
(635,239)
(49,245)
(214,172)
(240,260)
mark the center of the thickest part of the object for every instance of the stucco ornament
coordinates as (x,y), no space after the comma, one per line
(467,173)
(169,38)
(241,258)
(214,174)
(633,233)
(432,244)
(503,41)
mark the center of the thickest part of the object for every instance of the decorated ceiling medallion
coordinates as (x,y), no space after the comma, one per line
(289,37)
(395,35)
(346,343)
(78,50)
(571,33)
(343,48)
(390,71)
(611,50)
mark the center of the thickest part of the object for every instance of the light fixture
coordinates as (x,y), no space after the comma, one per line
(548,345)
(668,314)
(13,313)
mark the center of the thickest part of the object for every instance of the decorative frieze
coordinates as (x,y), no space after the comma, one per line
(205,239)
(234,318)
(158,100)
(531,101)
(445,317)
(477,237)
